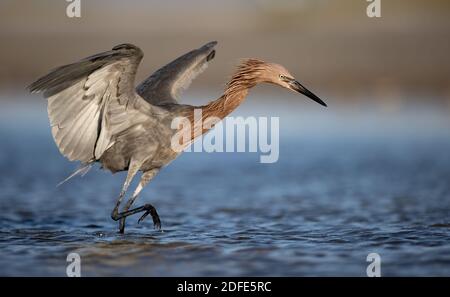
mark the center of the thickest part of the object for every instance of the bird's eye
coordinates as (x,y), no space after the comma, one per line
(284,78)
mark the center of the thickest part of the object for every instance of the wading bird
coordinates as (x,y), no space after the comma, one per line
(97,114)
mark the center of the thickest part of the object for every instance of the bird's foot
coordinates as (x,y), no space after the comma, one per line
(149,209)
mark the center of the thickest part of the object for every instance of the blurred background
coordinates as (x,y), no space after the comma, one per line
(367,174)
(331,45)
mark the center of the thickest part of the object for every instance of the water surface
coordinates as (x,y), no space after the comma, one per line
(345,186)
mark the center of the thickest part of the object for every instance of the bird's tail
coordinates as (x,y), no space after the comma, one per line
(82,170)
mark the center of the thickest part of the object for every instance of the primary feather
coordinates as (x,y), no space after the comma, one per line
(88,101)
(165,85)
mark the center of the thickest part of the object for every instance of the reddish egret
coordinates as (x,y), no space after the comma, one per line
(97,114)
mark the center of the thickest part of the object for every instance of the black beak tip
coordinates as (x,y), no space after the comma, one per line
(296,86)
(312,96)
(323,103)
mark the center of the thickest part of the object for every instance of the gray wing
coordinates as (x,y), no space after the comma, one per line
(165,85)
(91,100)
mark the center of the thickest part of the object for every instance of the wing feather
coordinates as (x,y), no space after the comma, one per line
(88,101)
(165,85)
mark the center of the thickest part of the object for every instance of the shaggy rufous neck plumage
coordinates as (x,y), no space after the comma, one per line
(247,75)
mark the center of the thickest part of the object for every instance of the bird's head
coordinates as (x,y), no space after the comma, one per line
(277,74)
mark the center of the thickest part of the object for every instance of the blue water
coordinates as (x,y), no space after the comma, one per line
(345,186)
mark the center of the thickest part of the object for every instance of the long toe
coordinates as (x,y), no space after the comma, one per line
(144,216)
(155,218)
(150,210)
(156,221)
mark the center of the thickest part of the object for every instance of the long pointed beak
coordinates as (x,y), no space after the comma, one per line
(298,87)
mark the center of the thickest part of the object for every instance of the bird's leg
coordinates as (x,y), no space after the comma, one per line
(145,179)
(148,208)
(132,170)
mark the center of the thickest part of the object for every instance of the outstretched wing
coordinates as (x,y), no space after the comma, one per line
(91,100)
(165,85)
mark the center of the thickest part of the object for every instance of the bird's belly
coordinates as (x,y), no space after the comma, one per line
(114,160)
(118,157)
(162,157)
